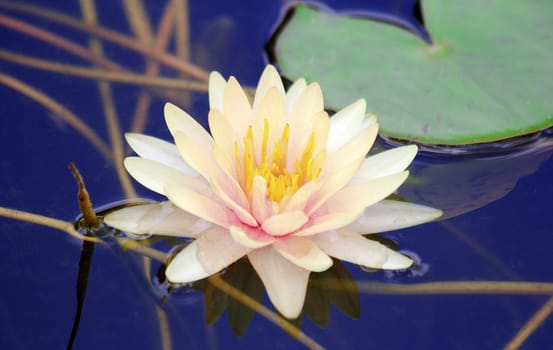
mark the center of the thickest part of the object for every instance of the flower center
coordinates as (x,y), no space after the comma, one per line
(282,182)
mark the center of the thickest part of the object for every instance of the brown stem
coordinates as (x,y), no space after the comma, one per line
(289,328)
(84,199)
(533,323)
(93,73)
(153,68)
(109,35)
(60,225)
(112,120)
(44,35)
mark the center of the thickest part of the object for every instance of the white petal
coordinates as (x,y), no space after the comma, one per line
(199,205)
(236,106)
(179,121)
(345,124)
(361,251)
(216,89)
(269,78)
(157,218)
(357,197)
(250,237)
(386,163)
(159,150)
(286,283)
(294,91)
(284,223)
(156,176)
(388,215)
(210,253)
(303,252)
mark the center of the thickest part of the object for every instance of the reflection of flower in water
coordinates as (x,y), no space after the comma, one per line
(277,181)
(241,275)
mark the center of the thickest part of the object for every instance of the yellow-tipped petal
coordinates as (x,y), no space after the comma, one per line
(269,79)
(216,90)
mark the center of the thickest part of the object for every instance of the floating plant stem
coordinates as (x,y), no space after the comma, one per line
(58,110)
(94,73)
(112,120)
(57,224)
(185,67)
(533,323)
(44,35)
(182,38)
(139,21)
(449,288)
(153,67)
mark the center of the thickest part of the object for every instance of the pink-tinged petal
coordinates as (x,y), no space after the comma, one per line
(327,222)
(294,91)
(345,124)
(156,176)
(388,215)
(286,283)
(179,121)
(284,223)
(386,163)
(361,251)
(199,205)
(357,197)
(299,200)
(159,150)
(210,253)
(303,252)
(216,90)
(260,205)
(353,151)
(331,184)
(217,249)
(269,79)
(157,218)
(231,196)
(250,237)
(348,204)
(236,107)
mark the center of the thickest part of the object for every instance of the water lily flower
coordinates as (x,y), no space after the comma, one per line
(278,181)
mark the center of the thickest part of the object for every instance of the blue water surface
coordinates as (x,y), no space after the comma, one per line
(496,226)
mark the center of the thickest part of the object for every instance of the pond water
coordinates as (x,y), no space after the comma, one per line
(496,225)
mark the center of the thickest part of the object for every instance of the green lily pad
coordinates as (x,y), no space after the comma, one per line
(488,76)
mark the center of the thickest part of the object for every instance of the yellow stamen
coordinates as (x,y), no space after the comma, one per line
(282,182)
